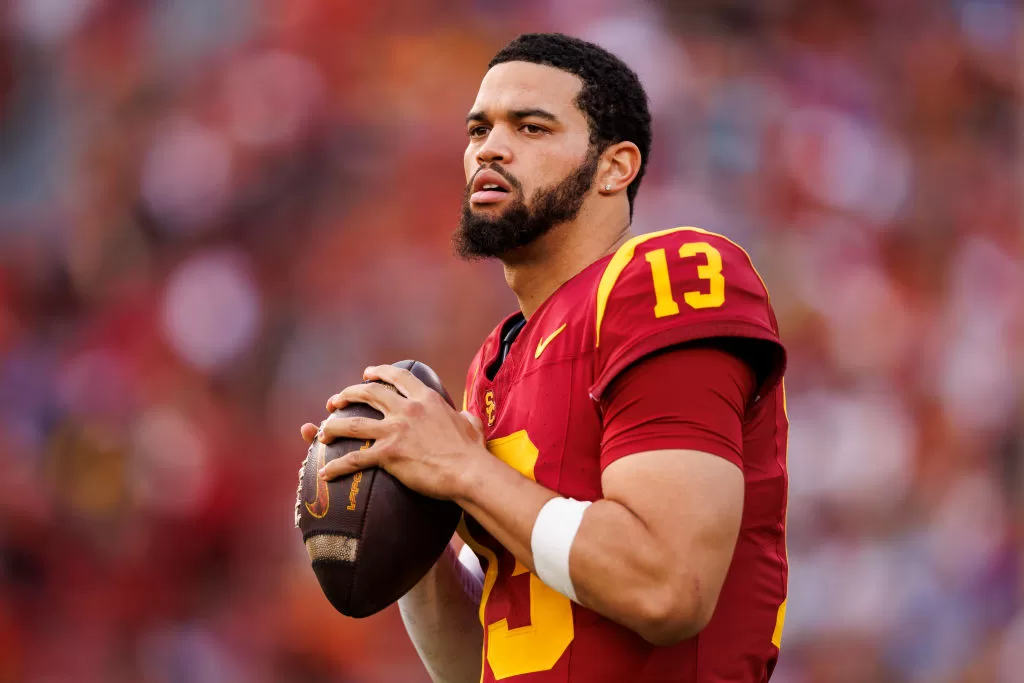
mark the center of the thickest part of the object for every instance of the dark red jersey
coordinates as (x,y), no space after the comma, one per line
(542,415)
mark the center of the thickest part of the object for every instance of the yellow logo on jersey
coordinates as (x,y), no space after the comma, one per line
(490,406)
(547,340)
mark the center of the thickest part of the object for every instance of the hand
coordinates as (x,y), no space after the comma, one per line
(421,440)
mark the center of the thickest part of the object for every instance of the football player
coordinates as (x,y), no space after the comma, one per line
(622,459)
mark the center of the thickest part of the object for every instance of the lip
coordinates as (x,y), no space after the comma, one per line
(489,177)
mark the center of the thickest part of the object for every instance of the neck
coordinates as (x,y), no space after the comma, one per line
(534,272)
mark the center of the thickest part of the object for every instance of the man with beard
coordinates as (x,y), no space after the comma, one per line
(621,457)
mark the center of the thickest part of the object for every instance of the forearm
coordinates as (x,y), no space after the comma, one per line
(505,503)
(616,565)
(620,570)
(441,616)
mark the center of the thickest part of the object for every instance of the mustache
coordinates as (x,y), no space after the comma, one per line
(497,168)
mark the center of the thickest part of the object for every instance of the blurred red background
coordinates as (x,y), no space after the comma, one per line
(215,213)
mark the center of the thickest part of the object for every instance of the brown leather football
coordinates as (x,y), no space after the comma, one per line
(369,537)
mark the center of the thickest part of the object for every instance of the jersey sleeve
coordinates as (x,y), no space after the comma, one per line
(664,289)
(691,397)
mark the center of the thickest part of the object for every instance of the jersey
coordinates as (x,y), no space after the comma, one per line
(541,413)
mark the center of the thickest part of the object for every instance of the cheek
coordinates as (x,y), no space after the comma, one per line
(549,170)
(469,164)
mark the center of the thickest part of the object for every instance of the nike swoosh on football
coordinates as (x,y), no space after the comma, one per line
(547,340)
(319,506)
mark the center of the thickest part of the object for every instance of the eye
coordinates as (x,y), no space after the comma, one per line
(477,131)
(532,129)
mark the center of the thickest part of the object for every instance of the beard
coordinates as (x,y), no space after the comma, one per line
(481,236)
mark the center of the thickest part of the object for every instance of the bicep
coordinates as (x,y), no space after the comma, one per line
(672,454)
(691,504)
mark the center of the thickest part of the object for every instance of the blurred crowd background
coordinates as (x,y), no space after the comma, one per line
(215,213)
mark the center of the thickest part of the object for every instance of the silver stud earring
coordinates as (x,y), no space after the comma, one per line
(607,188)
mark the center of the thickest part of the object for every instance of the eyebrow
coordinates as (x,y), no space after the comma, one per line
(518,114)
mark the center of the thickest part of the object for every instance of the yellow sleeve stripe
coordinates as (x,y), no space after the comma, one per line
(625,254)
(614,269)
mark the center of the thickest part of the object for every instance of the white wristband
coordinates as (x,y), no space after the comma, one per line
(553,533)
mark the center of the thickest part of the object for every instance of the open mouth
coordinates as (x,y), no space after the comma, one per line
(489,188)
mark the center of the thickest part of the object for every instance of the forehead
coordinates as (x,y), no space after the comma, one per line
(523,85)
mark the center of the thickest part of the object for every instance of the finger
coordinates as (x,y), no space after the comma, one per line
(407,383)
(349,463)
(477,423)
(308,432)
(383,398)
(352,428)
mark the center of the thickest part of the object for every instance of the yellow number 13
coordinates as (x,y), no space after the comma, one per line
(665,304)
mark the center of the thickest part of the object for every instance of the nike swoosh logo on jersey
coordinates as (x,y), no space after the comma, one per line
(547,340)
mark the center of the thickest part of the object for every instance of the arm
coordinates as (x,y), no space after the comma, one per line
(652,555)
(441,616)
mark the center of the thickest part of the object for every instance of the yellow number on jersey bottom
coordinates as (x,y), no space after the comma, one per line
(539,645)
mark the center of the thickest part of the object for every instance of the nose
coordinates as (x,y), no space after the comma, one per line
(495,147)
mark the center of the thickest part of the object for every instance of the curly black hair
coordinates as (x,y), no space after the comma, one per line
(612,97)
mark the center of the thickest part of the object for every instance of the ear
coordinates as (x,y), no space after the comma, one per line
(618,167)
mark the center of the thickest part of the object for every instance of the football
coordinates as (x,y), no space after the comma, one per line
(369,537)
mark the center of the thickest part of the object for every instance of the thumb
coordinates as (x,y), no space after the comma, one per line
(309,432)
(478,425)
